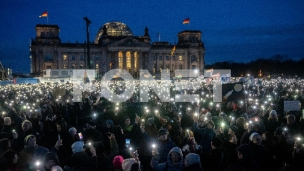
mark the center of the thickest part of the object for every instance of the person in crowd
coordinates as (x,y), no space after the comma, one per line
(215,159)
(245,160)
(176,133)
(190,145)
(204,136)
(18,141)
(281,148)
(82,160)
(131,164)
(130,129)
(292,126)
(4,145)
(50,160)
(192,162)
(297,162)
(174,161)
(11,159)
(30,153)
(230,146)
(260,153)
(272,122)
(151,128)
(73,134)
(91,134)
(117,163)
(164,144)
(8,127)
(64,151)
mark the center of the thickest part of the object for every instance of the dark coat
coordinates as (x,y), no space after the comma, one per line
(214,160)
(193,167)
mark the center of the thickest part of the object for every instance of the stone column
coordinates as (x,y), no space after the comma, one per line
(132,62)
(139,61)
(124,66)
(116,64)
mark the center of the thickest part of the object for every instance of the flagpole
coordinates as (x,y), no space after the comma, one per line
(159,37)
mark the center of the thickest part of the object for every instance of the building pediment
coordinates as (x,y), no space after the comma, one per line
(128,43)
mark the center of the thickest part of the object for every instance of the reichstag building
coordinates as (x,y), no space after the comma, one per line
(115,47)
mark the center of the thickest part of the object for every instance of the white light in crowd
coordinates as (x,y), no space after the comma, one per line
(130,148)
(156,111)
(94,114)
(298,138)
(37,163)
(195,114)
(153,145)
(89,143)
(222,124)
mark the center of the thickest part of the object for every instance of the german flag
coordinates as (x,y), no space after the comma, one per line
(186,21)
(44,14)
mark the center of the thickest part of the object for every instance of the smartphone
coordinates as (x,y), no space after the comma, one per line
(302,113)
(80,136)
(127,142)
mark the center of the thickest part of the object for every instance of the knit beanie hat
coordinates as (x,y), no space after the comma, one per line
(110,122)
(192,158)
(278,131)
(162,131)
(216,142)
(77,146)
(117,162)
(252,135)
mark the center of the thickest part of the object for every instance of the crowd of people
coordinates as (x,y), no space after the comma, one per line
(43,129)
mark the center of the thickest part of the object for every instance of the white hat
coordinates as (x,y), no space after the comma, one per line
(252,135)
(273,112)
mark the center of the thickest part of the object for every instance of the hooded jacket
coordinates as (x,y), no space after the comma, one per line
(169,165)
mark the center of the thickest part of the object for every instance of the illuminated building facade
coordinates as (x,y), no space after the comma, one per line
(114,47)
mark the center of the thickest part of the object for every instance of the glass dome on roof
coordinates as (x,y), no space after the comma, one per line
(114,29)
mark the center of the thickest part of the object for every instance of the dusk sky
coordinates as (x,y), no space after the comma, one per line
(234,30)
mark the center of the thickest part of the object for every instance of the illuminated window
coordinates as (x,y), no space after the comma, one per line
(65,66)
(97,66)
(120,60)
(128,55)
(81,66)
(135,60)
(73,66)
(65,57)
(180,58)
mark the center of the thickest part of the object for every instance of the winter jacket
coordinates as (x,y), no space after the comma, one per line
(168,166)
